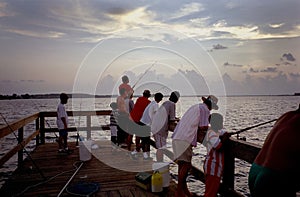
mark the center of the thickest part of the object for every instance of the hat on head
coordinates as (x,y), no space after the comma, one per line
(212,100)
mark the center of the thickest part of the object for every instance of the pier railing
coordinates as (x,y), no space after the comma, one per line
(234,149)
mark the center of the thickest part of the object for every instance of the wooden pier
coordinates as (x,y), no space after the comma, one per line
(113,182)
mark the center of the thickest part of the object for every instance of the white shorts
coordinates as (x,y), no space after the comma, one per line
(183,151)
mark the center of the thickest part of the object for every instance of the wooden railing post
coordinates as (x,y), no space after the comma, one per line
(37,127)
(42,126)
(88,124)
(229,165)
(20,140)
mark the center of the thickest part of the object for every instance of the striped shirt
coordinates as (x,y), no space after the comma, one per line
(214,161)
(113,118)
(186,129)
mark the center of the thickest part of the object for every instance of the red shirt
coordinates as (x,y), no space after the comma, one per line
(138,109)
(126,87)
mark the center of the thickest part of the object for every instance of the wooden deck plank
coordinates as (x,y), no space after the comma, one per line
(113,182)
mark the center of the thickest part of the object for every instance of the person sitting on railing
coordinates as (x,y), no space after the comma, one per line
(125,85)
(62,124)
(276,169)
(186,134)
(214,141)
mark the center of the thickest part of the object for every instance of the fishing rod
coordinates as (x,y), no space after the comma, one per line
(48,124)
(66,185)
(23,147)
(144,74)
(77,138)
(248,128)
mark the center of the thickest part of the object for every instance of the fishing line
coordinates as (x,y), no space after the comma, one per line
(143,74)
(48,124)
(50,179)
(23,147)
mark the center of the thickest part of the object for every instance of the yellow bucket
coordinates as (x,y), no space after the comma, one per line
(156,182)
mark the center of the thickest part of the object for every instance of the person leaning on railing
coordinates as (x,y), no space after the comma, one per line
(276,169)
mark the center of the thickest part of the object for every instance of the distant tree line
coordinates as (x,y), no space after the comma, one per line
(15,96)
(50,96)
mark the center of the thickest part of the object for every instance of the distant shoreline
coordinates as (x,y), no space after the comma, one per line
(79,95)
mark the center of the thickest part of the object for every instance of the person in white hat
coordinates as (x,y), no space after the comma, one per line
(185,138)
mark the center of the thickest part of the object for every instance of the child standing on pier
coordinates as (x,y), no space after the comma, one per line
(214,161)
(62,124)
(113,123)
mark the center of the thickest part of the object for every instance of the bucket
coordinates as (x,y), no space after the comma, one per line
(156,182)
(163,168)
(85,150)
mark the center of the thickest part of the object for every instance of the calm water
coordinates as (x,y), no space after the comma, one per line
(239,112)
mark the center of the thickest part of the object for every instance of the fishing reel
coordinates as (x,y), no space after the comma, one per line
(241,138)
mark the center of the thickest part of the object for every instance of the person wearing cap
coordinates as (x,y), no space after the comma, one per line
(160,124)
(136,115)
(185,136)
(62,124)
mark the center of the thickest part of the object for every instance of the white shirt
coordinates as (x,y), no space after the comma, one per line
(186,129)
(149,113)
(212,139)
(61,112)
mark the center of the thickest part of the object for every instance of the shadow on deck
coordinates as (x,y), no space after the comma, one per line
(58,169)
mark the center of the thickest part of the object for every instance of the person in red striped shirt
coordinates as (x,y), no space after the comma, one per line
(214,161)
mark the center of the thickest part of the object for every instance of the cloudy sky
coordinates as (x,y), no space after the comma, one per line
(197,47)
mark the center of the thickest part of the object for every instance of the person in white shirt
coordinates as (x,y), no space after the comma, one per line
(62,124)
(146,120)
(185,136)
(160,124)
(151,109)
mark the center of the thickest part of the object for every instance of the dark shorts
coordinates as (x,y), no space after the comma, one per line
(140,129)
(63,133)
(267,182)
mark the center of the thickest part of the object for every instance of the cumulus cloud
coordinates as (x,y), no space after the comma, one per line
(252,70)
(288,57)
(278,25)
(269,70)
(188,9)
(227,64)
(88,19)
(219,46)
(294,75)
(264,70)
